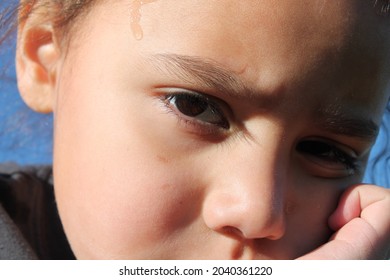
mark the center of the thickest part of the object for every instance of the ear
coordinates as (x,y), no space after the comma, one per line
(37,59)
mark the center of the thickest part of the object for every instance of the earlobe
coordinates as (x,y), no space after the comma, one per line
(37,58)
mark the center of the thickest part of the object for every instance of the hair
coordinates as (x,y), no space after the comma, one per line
(63,14)
(63,11)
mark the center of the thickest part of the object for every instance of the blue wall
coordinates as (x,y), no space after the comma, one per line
(25,136)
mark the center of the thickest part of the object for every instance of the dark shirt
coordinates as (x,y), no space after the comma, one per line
(27,196)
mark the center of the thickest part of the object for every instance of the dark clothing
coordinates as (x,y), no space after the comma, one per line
(32,228)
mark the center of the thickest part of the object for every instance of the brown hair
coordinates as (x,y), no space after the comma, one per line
(61,12)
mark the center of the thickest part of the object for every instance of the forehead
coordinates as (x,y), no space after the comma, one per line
(269,42)
(256,25)
(308,45)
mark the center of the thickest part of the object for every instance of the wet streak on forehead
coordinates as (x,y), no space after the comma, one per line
(135,17)
(212,75)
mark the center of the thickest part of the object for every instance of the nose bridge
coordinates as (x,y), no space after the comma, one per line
(248,191)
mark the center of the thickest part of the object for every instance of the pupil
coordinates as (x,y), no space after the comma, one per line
(314,147)
(190,105)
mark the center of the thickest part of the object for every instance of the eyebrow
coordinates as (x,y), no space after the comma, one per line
(358,127)
(201,70)
(195,69)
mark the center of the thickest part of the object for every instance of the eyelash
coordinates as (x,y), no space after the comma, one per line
(323,152)
(210,119)
(329,154)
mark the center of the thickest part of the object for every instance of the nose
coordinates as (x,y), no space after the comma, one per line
(247,194)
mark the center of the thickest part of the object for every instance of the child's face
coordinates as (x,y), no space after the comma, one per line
(228,131)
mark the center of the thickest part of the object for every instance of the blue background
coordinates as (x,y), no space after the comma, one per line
(26,136)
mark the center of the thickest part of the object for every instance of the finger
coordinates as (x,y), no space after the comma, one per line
(362,225)
(355,241)
(348,208)
(370,203)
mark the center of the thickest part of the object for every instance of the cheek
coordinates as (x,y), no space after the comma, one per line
(312,202)
(119,189)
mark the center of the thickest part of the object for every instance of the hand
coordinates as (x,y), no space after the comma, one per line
(362,226)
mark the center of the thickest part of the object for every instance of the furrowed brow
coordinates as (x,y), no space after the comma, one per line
(206,72)
(362,128)
(211,74)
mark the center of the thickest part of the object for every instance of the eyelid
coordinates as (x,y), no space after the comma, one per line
(177,90)
(191,123)
(347,161)
(216,101)
(349,151)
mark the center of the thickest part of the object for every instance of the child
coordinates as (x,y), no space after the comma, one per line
(211,129)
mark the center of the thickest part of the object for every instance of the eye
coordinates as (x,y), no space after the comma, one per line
(197,108)
(330,159)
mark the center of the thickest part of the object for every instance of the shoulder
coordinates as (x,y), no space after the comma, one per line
(12,173)
(27,197)
(13,245)
(20,184)
(23,189)
(13,181)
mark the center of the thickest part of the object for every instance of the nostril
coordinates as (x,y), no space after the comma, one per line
(278,230)
(232,232)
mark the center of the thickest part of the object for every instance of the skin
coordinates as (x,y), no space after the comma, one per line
(136,178)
